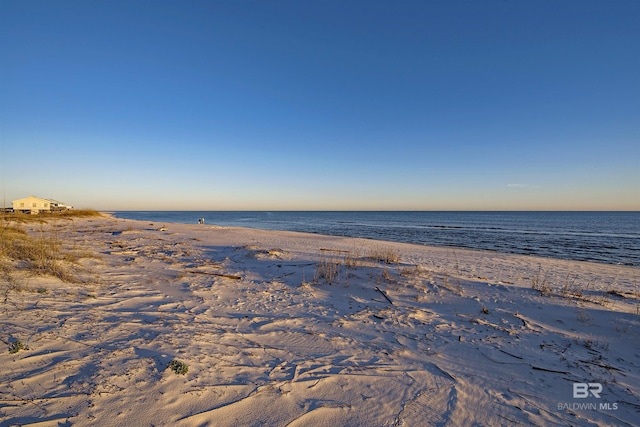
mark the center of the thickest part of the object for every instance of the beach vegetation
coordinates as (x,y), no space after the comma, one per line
(569,288)
(19,217)
(38,251)
(334,264)
(572,290)
(326,269)
(353,258)
(540,282)
(16,346)
(178,367)
(10,285)
(451,283)
(411,271)
(595,343)
(385,255)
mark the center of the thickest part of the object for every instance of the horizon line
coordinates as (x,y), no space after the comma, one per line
(366,210)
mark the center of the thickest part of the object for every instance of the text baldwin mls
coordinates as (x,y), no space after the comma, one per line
(582,391)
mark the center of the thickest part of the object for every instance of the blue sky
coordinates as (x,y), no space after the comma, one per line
(429,105)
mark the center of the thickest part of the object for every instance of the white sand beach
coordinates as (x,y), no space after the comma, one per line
(292,329)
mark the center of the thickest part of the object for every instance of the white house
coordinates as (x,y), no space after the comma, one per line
(33,204)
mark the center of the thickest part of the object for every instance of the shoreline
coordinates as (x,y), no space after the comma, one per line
(436,248)
(290,328)
(503,233)
(440,256)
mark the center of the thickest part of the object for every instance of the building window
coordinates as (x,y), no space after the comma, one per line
(35,205)
(46,205)
(22,204)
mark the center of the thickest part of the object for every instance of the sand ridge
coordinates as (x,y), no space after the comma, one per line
(293,329)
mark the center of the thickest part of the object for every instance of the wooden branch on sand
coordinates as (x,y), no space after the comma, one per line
(512,355)
(602,365)
(384,295)
(537,368)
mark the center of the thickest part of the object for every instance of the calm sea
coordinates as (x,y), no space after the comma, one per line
(607,237)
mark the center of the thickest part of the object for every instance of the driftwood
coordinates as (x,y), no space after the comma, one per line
(602,365)
(512,355)
(537,368)
(384,295)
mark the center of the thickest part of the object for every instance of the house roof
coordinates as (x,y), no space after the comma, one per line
(54,201)
(30,197)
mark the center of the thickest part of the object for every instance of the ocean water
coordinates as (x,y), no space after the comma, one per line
(606,237)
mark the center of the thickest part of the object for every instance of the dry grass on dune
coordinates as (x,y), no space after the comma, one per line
(38,252)
(44,216)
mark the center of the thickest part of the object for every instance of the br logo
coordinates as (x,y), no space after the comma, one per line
(582,390)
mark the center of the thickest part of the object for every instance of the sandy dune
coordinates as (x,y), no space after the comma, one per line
(292,329)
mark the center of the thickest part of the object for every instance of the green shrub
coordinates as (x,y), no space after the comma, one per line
(16,346)
(180,368)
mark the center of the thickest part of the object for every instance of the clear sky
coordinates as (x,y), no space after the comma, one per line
(267,105)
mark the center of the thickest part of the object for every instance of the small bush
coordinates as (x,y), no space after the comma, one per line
(16,346)
(180,368)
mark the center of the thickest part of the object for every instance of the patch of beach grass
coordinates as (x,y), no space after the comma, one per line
(540,282)
(354,258)
(385,255)
(39,252)
(19,217)
(327,268)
